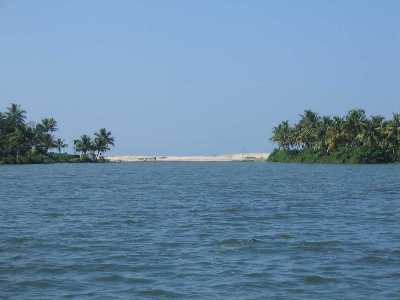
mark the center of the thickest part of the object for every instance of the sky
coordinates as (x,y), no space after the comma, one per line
(196,77)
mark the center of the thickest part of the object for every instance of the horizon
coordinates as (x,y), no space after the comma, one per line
(196,78)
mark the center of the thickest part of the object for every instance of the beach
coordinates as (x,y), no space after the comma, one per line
(257,156)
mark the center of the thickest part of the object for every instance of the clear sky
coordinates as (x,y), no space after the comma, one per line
(196,77)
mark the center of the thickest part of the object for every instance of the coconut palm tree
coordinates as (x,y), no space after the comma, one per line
(15,133)
(84,145)
(321,129)
(306,129)
(354,127)
(283,135)
(392,135)
(373,132)
(15,115)
(48,125)
(103,141)
(45,138)
(60,144)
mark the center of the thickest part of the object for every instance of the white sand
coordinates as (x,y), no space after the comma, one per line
(160,158)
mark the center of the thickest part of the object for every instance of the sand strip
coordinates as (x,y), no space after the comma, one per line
(259,156)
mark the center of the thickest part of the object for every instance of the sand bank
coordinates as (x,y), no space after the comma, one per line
(199,158)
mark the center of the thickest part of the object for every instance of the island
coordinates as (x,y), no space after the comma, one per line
(23,142)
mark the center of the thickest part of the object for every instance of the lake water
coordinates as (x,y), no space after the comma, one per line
(199,231)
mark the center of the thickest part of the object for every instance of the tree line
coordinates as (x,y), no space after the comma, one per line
(35,142)
(354,138)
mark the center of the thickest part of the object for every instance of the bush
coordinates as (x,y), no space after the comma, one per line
(294,156)
(37,158)
(63,157)
(355,155)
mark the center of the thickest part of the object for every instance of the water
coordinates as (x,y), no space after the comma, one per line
(199,231)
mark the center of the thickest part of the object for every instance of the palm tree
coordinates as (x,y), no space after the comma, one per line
(15,115)
(392,135)
(321,129)
(48,125)
(373,131)
(102,141)
(354,127)
(306,129)
(283,135)
(60,144)
(44,135)
(20,141)
(14,133)
(334,134)
(84,145)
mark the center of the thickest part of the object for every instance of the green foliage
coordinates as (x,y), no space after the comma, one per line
(102,142)
(60,144)
(94,148)
(22,142)
(354,138)
(64,157)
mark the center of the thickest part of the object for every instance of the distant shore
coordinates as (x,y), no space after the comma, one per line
(354,138)
(258,156)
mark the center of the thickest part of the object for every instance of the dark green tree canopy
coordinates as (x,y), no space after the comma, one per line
(26,142)
(353,137)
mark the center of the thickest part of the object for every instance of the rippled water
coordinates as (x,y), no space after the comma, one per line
(199,231)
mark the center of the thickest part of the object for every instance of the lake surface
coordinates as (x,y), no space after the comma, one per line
(199,231)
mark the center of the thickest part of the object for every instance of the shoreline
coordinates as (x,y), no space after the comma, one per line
(258,156)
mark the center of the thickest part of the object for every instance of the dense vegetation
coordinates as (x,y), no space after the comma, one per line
(354,138)
(29,142)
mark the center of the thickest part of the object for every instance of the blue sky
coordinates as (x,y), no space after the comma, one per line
(191,77)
